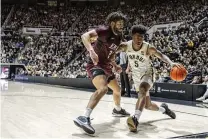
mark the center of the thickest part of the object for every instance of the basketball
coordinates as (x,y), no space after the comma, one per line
(178,74)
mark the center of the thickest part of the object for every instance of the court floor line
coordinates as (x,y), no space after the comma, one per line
(100,100)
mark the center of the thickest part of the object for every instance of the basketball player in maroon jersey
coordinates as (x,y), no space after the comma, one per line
(100,66)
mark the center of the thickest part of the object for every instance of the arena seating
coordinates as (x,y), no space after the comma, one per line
(54,56)
(60,18)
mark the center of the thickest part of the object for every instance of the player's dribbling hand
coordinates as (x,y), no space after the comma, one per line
(94,57)
(176,64)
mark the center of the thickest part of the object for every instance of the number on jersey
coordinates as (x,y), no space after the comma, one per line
(110,54)
(136,64)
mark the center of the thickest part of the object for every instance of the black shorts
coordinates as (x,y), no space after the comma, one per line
(98,71)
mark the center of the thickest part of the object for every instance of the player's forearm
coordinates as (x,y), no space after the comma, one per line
(113,60)
(166,59)
(86,41)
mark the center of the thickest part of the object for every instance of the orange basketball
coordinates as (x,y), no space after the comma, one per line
(178,74)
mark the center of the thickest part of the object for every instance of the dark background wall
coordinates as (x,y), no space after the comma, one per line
(19,1)
(188,92)
(109,2)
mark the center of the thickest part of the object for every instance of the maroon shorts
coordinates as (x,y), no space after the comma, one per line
(95,70)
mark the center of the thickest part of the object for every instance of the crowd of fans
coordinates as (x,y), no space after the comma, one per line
(48,55)
(147,13)
(11,45)
(60,18)
(56,56)
(77,68)
(186,44)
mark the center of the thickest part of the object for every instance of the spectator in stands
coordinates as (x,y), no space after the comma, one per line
(196,80)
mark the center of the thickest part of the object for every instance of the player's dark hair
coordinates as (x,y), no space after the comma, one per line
(141,29)
(115,16)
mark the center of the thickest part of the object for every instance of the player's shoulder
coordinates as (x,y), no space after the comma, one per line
(129,42)
(128,45)
(147,44)
(150,47)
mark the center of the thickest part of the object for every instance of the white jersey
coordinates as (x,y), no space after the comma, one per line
(139,61)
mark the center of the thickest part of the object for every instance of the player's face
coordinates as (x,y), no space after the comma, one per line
(137,39)
(118,26)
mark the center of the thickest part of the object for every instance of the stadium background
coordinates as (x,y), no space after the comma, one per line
(40,43)
(45,35)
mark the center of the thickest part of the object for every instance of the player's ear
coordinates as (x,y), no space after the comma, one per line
(113,24)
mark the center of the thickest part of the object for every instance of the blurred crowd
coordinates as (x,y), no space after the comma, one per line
(48,55)
(60,18)
(58,56)
(11,44)
(147,13)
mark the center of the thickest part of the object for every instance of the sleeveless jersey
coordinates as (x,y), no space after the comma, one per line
(106,45)
(139,61)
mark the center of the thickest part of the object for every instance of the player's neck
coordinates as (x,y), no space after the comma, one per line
(136,48)
(113,31)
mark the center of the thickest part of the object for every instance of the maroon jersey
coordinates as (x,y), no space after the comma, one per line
(105,46)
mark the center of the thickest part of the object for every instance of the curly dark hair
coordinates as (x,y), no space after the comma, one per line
(141,29)
(115,16)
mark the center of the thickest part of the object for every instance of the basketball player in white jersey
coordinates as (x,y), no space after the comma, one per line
(139,53)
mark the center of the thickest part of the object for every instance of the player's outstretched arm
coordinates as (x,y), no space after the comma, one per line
(163,57)
(86,39)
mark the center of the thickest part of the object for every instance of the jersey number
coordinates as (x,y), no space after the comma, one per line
(136,64)
(110,54)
